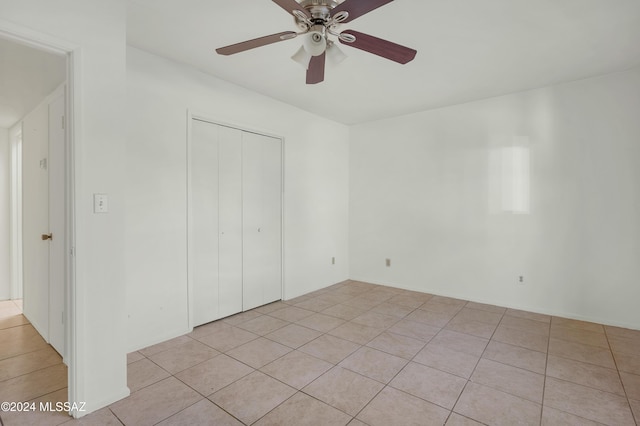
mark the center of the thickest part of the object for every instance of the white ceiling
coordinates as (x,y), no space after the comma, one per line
(27,76)
(467,49)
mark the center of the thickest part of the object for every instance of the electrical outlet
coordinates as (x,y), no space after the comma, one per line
(521,279)
(388,262)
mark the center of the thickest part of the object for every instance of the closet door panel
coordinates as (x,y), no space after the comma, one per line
(262,256)
(230,214)
(203,233)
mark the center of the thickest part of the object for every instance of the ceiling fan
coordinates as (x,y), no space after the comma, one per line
(317,19)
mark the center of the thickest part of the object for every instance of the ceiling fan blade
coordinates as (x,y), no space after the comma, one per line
(357,8)
(256,42)
(315,73)
(380,47)
(291,5)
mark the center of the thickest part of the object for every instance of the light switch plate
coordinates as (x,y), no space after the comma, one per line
(100,203)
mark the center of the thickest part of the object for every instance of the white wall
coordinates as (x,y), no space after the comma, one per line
(315,201)
(421,195)
(5,216)
(97,30)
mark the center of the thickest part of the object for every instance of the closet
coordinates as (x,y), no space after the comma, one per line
(235,220)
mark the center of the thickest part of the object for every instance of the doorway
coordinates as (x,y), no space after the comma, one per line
(35,107)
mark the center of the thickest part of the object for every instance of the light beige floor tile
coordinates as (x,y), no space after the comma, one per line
(356,422)
(628,363)
(163,346)
(38,417)
(435,319)
(143,373)
(486,307)
(529,315)
(209,328)
(356,333)
(259,352)
(302,410)
(299,299)
(394,407)
(408,301)
(34,385)
(397,344)
(264,324)
(374,364)
(579,335)
(443,308)
(134,356)
(467,314)
(155,403)
(513,380)
(494,407)
(429,384)
(461,342)
(297,369)
(330,348)
(344,312)
(361,303)
(516,356)
(456,419)
(202,413)
(524,339)
(387,308)
(226,339)
(214,374)
(635,407)
(621,345)
(586,402)
(582,373)
(375,319)
(321,322)
(415,330)
(252,397)
(625,333)
(291,313)
(474,328)
(344,390)
(183,356)
(448,360)
(28,363)
(580,352)
(103,417)
(20,340)
(265,309)
(576,324)
(553,417)
(334,298)
(293,335)
(448,300)
(526,324)
(316,304)
(631,385)
(242,317)
(13,321)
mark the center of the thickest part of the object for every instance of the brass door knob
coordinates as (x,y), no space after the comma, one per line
(46,237)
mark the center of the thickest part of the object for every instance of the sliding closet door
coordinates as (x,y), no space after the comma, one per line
(203,229)
(230,225)
(262,219)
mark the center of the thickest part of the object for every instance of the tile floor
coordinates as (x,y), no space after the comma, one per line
(363,354)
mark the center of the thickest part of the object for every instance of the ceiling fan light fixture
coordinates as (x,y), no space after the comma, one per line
(315,43)
(302,57)
(334,54)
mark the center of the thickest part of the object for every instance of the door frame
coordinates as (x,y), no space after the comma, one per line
(196,115)
(73,54)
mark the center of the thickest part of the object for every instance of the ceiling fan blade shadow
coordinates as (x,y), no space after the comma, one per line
(315,72)
(357,8)
(380,47)
(291,5)
(256,42)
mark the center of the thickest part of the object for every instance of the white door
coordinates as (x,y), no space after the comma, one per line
(203,221)
(262,219)
(57,155)
(43,225)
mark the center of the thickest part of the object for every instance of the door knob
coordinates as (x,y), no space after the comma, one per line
(46,237)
